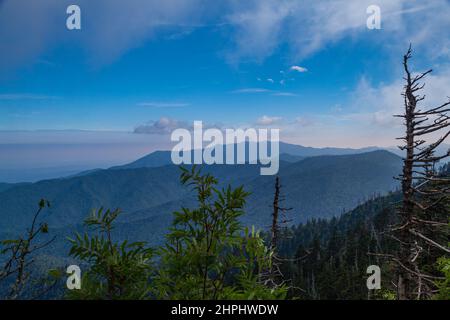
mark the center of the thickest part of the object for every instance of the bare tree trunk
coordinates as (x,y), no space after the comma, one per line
(422,188)
(273,276)
(275,227)
(403,285)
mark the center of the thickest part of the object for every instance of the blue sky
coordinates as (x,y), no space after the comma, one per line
(229,63)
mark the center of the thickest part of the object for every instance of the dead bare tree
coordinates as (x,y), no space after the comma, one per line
(20,253)
(274,276)
(275,227)
(424,190)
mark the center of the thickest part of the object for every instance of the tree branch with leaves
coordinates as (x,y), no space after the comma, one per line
(20,253)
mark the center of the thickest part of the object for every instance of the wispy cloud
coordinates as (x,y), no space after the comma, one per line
(115,30)
(163,104)
(284,94)
(251,90)
(257,28)
(267,120)
(298,69)
(261,27)
(378,104)
(264,90)
(412,10)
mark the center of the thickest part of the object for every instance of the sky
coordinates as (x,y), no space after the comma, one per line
(139,69)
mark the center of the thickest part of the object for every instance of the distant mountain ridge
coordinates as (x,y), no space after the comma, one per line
(321,186)
(288,152)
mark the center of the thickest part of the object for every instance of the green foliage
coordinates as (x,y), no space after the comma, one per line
(208,254)
(55,273)
(443,265)
(388,294)
(331,256)
(114,270)
(444,285)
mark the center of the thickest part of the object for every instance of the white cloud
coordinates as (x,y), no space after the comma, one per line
(108,27)
(256,27)
(267,91)
(379,103)
(298,69)
(162,126)
(284,94)
(367,118)
(261,26)
(166,125)
(270,80)
(251,90)
(267,121)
